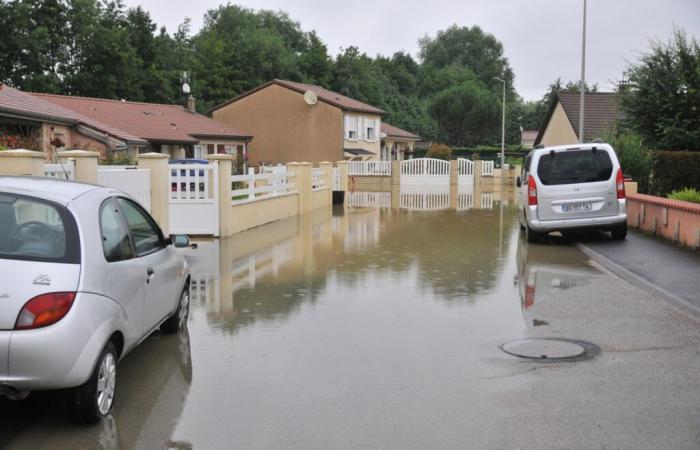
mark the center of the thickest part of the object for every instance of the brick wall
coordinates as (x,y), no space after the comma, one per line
(673,219)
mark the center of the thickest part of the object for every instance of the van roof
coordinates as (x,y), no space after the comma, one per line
(572,147)
(56,189)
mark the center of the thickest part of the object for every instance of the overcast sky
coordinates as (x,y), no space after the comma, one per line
(542,38)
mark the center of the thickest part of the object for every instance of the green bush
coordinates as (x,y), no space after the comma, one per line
(686,195)
(635,159)
(675,171)
(119,159)
(439,151)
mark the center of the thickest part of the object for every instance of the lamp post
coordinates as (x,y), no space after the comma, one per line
(583,77)
(503,122)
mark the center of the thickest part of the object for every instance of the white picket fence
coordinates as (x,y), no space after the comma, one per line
(194,199)
(424,201)
(272,182)
(130,179)
(379,168)
(465,171)
(426,171)
(465,201)
(60,170)
(368,199)
(487,168)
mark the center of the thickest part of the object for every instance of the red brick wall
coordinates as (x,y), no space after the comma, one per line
(673,219)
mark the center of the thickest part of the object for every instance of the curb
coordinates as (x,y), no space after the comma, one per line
(632,278)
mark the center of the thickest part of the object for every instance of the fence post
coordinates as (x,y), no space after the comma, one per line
(454,171)
(22,162)
(223,184)
(85,164)
(157,165)
(343,174)
(327,170)
(302,181)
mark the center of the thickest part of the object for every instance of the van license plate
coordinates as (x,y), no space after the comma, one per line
(576,207)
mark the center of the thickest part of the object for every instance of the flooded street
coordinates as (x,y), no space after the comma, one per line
(379,327)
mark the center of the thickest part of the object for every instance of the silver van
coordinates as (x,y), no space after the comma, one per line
(572,187)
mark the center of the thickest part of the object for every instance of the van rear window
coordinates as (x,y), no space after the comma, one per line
(32,229)
(571,167)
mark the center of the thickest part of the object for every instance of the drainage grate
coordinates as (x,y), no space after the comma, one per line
(550,349)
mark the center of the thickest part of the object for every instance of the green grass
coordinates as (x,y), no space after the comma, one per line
(686,195)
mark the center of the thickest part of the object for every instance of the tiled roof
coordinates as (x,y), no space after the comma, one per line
(14,101)
(602,112)
(392,131)
(529,135)
(150,121)
(324,95)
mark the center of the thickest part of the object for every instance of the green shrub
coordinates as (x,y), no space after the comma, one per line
(439,151)
(119,159)
(635,159)
(675,171)
(686,195)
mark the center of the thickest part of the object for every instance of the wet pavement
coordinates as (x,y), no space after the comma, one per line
(381,327)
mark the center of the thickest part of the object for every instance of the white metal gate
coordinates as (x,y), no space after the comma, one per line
(487,168)
(130,179)
(194,199)
(465,171)
(425,171)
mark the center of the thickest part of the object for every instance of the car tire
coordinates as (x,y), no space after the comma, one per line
(619,233)
(93,400)
(178,321)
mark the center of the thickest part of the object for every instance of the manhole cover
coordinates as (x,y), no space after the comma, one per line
(548,349)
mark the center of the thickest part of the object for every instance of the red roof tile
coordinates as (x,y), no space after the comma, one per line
(150,121)
(392,131)
(324,95)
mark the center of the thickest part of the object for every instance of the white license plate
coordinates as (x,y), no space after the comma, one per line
(576,207)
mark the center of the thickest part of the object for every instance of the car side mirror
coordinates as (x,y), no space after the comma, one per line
(518,182)
(182,241)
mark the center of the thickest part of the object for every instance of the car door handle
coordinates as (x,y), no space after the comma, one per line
(150,272)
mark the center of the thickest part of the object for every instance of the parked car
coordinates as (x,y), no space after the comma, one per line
(85,275)
(572,187)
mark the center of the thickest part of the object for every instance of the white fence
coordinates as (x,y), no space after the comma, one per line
(465,171)
(465,201)
(368,199)
(487,201)
(273,181)
(424,201)
(60,170)
(486,168)
(194,199)
(130,179)
(428,171)
(381,168)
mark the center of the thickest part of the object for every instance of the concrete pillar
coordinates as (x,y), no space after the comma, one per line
(302,181)
(85,164)
(395,173)
(343,173)
(157,165)
(453,172)
(225,167)
(22,162)
(327,170)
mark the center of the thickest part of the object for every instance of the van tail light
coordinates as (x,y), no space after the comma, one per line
(620,183)
(531,191)
(44,310)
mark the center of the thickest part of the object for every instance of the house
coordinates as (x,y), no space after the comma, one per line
(396,144)
(560,126)
(172,129)
(301,122)
(527,138)
(28,121)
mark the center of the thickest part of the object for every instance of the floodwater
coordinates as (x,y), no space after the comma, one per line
(358,327)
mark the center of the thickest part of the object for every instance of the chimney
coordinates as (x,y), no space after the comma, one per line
(190,105)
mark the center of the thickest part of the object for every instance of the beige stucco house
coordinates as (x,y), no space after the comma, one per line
(397,144)
(324,126)
(561,124)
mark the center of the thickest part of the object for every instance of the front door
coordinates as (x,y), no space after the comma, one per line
(162,269)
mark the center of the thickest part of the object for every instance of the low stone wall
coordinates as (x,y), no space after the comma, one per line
(672,219)
(260,212)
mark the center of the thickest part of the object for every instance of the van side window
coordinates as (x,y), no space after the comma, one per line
(116,243)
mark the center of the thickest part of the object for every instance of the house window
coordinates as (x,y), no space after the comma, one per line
(199,152)
(352,128)
(370,131)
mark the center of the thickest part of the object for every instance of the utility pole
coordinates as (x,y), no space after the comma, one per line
(503,122)
(583,78)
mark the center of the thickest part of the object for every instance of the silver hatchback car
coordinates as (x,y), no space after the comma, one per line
(572,187)
(85,275)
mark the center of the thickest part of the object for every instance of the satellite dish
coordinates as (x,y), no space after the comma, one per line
(186,88)
(310,97)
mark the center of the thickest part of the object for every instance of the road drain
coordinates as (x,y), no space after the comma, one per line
(551,349)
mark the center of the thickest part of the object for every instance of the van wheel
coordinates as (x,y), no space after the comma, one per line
(619,233)
(178,321)
(533,237)
(93,400)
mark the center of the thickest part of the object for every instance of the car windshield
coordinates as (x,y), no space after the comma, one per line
(36,230)
(570,167)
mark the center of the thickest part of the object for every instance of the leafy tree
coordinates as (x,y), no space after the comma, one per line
(662,95)
(439,151)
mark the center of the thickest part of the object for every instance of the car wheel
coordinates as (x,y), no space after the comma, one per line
(93,400)
(620,232)
(178,321)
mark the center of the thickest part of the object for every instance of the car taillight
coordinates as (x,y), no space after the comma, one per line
(620,182)
(44,310)
(531,191)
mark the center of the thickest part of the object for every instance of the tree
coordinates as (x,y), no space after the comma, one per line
(662,95)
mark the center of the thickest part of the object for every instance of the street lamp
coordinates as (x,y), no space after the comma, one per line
(583,77)
(503,122)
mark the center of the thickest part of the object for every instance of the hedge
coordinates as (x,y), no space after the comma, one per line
(674,171)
